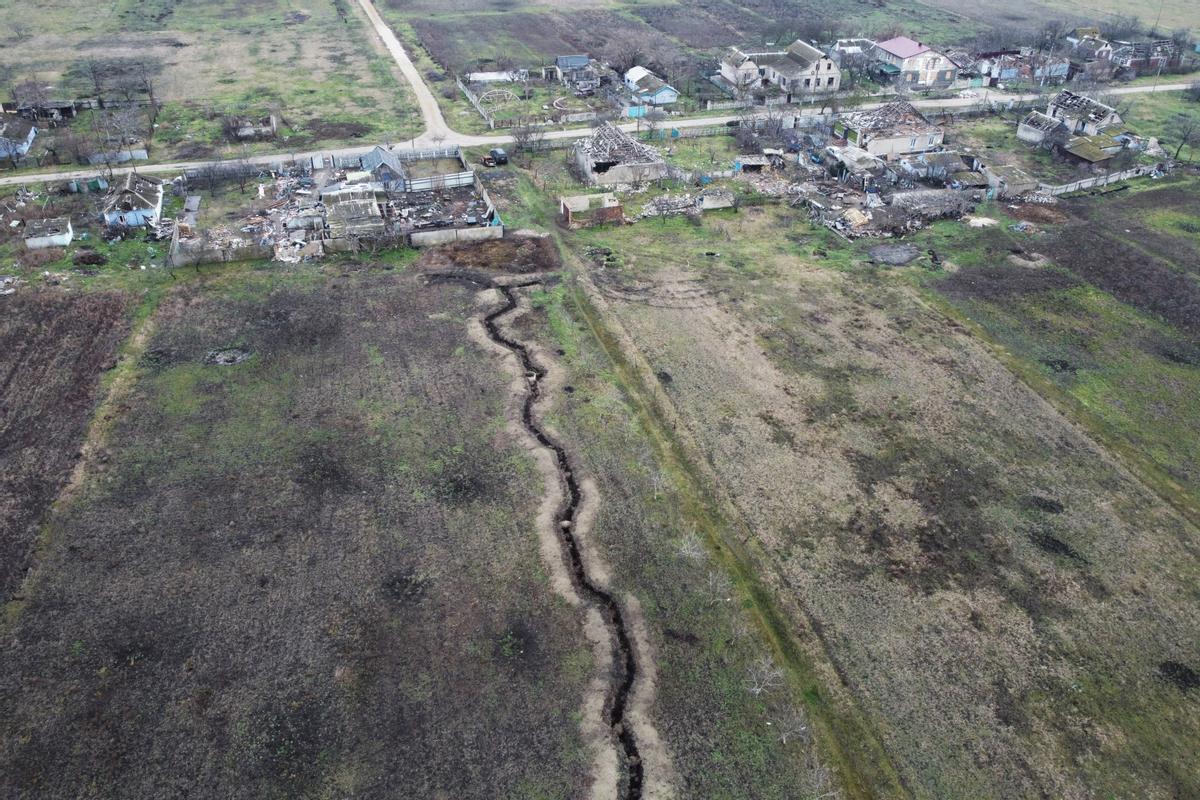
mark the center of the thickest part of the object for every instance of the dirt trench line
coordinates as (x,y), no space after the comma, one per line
(617,633)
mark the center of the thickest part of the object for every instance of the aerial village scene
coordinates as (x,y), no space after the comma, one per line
(600,399)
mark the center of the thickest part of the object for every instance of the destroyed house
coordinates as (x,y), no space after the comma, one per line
(798,71)
(1037,128)
(891,130)
(610,156)
(801,70)
(43,233)
(1009,181)
(16,136)
(134,202)
(1094,149)
(355,219)
(577,72)
(1146,56)
(1082,114)
(938,167)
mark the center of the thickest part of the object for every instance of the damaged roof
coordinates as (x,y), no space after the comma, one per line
(898,116)
(36,228)
(1100,147)
(381,156)
(15,128)
(1041,122)
(610,144)
(1093,110)
(135,192)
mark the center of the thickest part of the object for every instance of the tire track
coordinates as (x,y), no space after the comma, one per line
(625,667)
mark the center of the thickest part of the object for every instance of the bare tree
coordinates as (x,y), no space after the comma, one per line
(1184,128)
(718,587)
(528,138)
(628,57)
(124,126)
(31,92)
(762,676)
(20,30)
(792,726)
(653,119)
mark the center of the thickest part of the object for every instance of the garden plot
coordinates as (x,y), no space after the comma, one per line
(304,570)
(320,70)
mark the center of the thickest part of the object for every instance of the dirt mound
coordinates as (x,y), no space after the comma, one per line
(1043,215)
(518,255)
(89,258)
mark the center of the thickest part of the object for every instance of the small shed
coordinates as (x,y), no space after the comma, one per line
(590,210)
(1009,181)
(43,233)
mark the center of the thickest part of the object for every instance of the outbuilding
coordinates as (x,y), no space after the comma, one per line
(43,233)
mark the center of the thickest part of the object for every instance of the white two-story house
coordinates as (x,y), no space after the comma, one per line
(914,65)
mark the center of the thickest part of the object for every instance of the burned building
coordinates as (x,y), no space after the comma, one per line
(610,156)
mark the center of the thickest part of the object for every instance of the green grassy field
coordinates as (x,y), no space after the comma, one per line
(325,74)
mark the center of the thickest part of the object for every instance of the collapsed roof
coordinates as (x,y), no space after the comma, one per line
(36,228)
(611,145)
(1078,105)
(1041,122)
(134,193)
(898,116)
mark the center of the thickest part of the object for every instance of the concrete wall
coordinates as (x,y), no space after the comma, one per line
(185,253)
(449,235)
(42,242)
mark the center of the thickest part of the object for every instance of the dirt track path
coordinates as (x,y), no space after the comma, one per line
(431,112)
(617,704)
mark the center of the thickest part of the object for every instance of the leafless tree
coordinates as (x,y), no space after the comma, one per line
(718,587)
(1124,26)
(1193,92)
(628,57)
(653,119)
(125,127)
(31,92)
(1183,128)
(792,726)
(528,138)
(20,30)
(762,676)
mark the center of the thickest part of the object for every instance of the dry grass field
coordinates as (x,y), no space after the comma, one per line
(1010,606)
